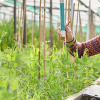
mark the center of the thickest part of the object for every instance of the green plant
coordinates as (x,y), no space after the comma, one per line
(19,74)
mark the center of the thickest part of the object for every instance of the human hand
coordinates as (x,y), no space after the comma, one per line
(69,36)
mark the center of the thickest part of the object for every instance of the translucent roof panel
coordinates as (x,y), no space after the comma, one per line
(95,4)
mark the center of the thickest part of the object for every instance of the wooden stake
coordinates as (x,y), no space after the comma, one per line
(65,23)
(66,12)
(42,33)
(51,28)
(81,35)
(44,42)
(89,19)
(18,29)
(39,39)
(91,25)
(73,18)
(69,20)
(72,31)
(32,27)
(15,34)
(19,21)
(74,67)
(23,19)
(77,21)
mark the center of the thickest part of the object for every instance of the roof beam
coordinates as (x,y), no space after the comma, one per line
(88,7)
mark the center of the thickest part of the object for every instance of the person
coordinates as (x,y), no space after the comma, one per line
(92,45)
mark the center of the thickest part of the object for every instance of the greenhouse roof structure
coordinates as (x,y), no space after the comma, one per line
(6,7)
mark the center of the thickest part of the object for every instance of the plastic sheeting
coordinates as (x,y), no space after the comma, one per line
(95,4)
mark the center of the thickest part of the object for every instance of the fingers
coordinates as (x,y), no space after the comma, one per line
(67,29)
(66,26)
(59,32)
(58,24)
(60,35)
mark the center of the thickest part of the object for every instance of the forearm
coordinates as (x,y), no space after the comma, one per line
(93,47)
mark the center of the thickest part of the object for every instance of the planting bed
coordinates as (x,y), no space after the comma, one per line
(79,96)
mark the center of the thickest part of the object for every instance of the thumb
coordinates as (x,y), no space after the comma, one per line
(67,29)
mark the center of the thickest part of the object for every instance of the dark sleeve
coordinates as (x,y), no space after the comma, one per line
(92,45)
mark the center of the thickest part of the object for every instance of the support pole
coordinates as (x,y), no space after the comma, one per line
(18,29)
(24,31)
(72,10)
(34,10)
(65,11)
(80,32)
(15,34)
(44,41)
(68,10)
(51,28)
(88,24)
(73,20)
(32,27)
(89,19)
(77,21)
(91,25)
(39,39)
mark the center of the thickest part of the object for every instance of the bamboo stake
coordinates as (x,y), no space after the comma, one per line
(51,28)
(44,42)
(42,31)
(65,39)
(65,11)
(91,25)
(77,21)
(79,28)
(18,29)
(69,20)
(19,20)
(65,23)
(94,29)
(32,27)
(81,35)
(23,19)
(68,10)
(15,33)
(73,18)
(72,31)
(39,39)
(89,19)
(20,25)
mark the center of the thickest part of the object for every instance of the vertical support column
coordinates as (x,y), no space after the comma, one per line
(91,25)
(80,29)
(32,27)
(87,35)
(44,41)
(89,19)
(51,28)
(77,21)
(65,12)
(72,6)
(39,39)
(68,10)
(24,31)
(34,10)
(0,12)
(88,25)
(15,34)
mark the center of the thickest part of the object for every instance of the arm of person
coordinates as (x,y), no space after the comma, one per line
(92,45)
